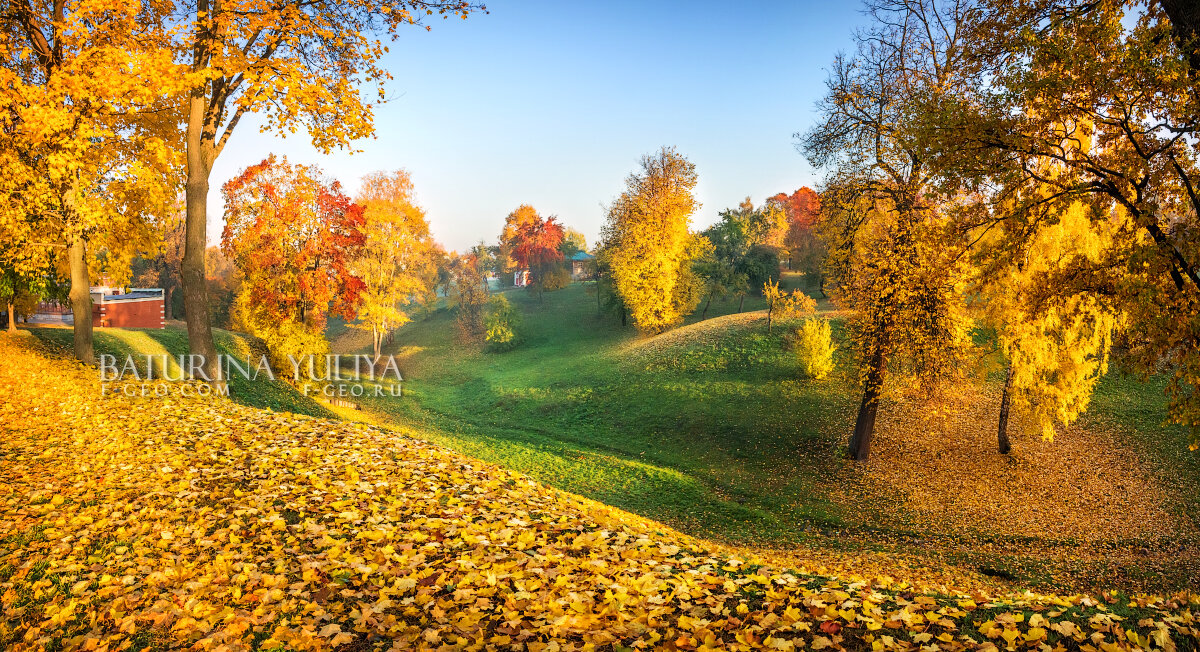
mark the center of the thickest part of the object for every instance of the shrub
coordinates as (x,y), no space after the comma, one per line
(555,276)
(814,347)
(283,338)
(502,325)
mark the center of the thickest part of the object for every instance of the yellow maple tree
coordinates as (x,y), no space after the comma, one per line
(395,262)
(85,158)
(648,246)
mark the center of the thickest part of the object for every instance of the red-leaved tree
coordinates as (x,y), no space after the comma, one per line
(536,248)
(292,233)
(806,252)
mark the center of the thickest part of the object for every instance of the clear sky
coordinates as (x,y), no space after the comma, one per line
(552,103)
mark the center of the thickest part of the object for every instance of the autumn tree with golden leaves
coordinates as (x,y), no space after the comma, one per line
(896,263)
(87,160)
(1095,106)
(296,64)
(396,261)
(649,247)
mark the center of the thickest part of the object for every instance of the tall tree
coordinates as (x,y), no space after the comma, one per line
(81,153)
(292,234)
(897,265)
(513,223)
(469,293)
(298,64)
(1096,103)
(649,246)
(395,262)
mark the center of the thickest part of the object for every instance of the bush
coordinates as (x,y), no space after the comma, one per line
(555,276)
(814,347)
(283,338)
(502,325)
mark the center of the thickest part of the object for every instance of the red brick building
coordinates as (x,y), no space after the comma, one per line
(136,309)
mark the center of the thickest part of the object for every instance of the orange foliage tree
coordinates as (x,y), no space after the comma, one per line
(292,234)
(806,253)
(513,222)
(536,247)
(298,64)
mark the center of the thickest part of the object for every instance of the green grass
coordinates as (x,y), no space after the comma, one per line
(276,394)
(720,442)
(1138,407)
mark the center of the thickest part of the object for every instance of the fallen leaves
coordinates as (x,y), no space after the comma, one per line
(200,524)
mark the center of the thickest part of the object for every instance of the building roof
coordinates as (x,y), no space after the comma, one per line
(144,294)
(582,255)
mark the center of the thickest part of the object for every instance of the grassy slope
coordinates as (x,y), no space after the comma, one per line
(720,437)
(122,342)
(575,407)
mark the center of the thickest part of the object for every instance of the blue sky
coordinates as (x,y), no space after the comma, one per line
(552,103)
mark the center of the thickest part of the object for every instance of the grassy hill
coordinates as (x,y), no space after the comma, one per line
(172,523)
(712,429)
(276,394)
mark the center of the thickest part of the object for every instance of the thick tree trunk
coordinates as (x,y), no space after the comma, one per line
(194,278)
(741,302)
(81,302)
(1005,404)
(1184,16)
(167,302)
(864,426)
(12,318)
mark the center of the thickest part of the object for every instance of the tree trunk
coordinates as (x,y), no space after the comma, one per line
(194,278)
(1005,404)
(81,302)
(167,302)
(376,343)
(741,302)
(864,426)
(624,314)
(12,318)
(704,313)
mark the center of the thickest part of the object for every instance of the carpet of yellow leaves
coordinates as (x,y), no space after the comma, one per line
(1082,485)
(200,524)
(1080,503)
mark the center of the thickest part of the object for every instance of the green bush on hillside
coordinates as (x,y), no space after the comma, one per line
(502,325)
(814,347)
(556,276)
